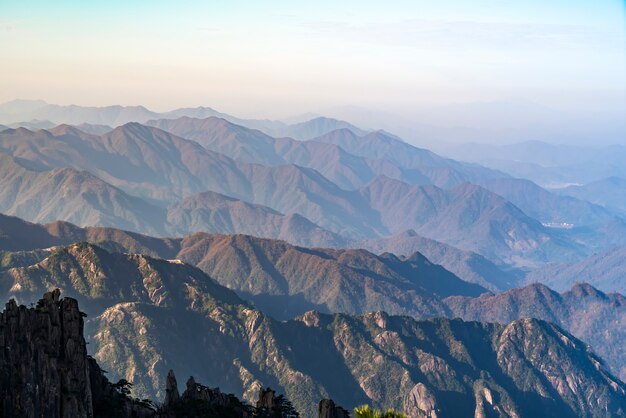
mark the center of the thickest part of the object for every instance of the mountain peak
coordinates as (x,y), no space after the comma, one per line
(583,289)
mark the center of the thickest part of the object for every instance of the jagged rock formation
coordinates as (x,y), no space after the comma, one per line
(421,402)
(328,409)
(45,372)
(171,390)
(201,401)
(583,311)
(44,368)
(44,360)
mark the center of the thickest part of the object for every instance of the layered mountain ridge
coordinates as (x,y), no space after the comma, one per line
(285,280)
(161,170)
(317,258)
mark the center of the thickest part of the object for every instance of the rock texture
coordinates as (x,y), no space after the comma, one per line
(200,401)
(328,409)
(44,367)
(44,364)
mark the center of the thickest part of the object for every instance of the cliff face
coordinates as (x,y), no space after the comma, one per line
(43,360)
(44,367)
(45,372)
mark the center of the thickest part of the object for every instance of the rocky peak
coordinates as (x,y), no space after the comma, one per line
(171,390)
(267,399)
(44,369)
(328,409)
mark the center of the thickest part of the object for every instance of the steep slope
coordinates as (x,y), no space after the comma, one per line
(88,271)
(253,146)
(268,271)
(143,161)
(589,314)
(468,265)
(468,217)
(73,196)
(452,368)
(45,369)
(215,213)
(293,189)
(217,134)
(147,316)
(379,145)
(478,220)
(285,280)
(17,235)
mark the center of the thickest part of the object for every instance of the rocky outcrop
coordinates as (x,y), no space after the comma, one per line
(267,399)
(420,402)
(199,400)
(44,367)
(328,409)
(171,390)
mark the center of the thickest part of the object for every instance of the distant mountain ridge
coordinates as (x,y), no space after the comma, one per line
(18,235)
(333,157)
(468,265)
(76,196)
(19,111)
(605,270)
(312,187)
(282,279)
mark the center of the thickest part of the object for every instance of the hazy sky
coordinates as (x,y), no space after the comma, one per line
(275,58)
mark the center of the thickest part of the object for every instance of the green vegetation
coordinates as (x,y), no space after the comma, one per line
(364,411)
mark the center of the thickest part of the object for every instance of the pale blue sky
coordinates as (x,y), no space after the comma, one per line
(274,58)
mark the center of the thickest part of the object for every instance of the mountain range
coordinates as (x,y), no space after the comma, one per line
(285,280)
(337,189)
(146,315)
(315,257)
(162,169)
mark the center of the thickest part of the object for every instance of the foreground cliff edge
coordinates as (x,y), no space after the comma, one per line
(45,372)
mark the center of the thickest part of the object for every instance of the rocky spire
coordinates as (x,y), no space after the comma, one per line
(266,399)
(43,355)
(328,409)
(171,390)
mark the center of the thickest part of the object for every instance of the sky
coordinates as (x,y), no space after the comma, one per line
(279,58)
